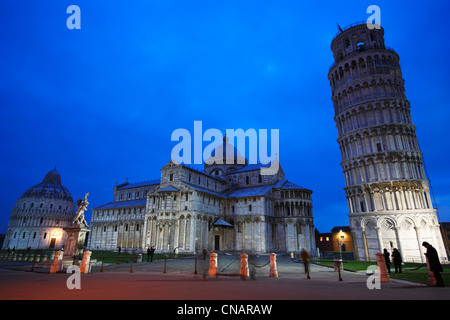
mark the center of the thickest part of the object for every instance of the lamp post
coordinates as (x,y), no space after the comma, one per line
(341,242)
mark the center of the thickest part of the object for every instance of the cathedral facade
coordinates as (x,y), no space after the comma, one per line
(229,206)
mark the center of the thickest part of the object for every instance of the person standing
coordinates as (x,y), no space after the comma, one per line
(149,249)
(397,258)
(152,251)
(205,252)
(387,260)
(434,263)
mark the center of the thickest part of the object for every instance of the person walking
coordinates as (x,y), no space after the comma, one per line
(397,258)
(305,258)
(205,252)
(387,260)
(434,263)
(149,249)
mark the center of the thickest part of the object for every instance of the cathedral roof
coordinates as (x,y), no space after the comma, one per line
(138,184)
(289,185)
(50,187)
(123,204)
(168,189)
(251,167)
(250,192)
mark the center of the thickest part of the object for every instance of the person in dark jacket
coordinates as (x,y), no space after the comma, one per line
(434,263)
(387,260)
(152,252)
(397,258)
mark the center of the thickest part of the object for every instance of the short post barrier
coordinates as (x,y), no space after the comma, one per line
(273,266)
(32,266)
(244,265)
(195,266)
(431,278)
(307,269)
(384,277)
(165,262)
(84,268)
(57,262)
(212,264)
(339,268)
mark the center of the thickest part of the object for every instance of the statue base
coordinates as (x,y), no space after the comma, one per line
(76,237)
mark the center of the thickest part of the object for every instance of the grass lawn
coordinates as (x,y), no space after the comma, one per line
(414,274)
(125,257)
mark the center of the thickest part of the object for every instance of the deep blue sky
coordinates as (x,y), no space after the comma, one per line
(101,103)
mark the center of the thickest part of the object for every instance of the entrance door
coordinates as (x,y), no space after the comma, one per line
(52,243)
(216,243)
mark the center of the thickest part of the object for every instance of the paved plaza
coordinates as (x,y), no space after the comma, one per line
(147,281)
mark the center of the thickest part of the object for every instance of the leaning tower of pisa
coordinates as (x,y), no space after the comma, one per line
(387,191)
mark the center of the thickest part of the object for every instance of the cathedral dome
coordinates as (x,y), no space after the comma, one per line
(226,153)
(50,188)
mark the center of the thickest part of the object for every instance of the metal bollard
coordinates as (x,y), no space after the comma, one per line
(195,267)
(339,268)
(165,262)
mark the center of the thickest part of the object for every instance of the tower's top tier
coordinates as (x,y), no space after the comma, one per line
(356,38)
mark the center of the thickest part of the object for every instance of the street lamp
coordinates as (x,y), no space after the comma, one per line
(341,242)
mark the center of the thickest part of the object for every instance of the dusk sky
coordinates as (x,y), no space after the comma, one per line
(101,103)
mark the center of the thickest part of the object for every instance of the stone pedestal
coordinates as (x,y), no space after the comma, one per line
(244,265)
(273,265)
(212,264)
(384,277)
(76,236)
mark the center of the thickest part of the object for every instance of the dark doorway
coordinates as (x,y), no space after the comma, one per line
(216,243)
(52,243)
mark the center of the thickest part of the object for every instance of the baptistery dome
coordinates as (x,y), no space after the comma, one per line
(49,188)
(40,214)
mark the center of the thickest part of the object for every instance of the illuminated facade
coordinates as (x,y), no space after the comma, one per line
(387,190)
(39,216)
(229,206)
